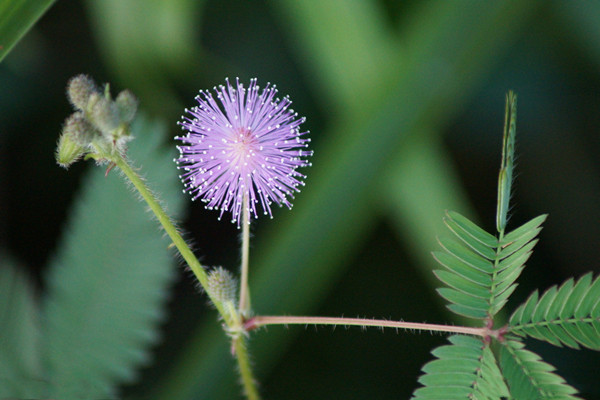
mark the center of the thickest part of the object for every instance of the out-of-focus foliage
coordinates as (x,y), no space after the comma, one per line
(404,103)
(16,18)
(108,283)
(106,289)
(21,371)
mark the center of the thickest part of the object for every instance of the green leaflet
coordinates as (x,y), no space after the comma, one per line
(522,230)
(472,230)
(529,377)
(464,369)
(108,283)
(569,315)
(481,272)
(21,373)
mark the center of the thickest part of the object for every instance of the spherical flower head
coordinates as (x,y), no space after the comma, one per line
(246,144)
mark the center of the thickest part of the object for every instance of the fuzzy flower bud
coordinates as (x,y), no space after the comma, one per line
(105,115)
(79,129)
(67,151)
(79,90)
(73,143)
(222,285)
(127,105)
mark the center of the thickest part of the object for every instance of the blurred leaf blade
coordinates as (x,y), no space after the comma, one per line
(161,42)
(21,371)
(16,19)
(108,283)
(416,198)
(343,51)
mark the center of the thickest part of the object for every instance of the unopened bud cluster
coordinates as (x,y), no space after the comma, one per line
(99,125)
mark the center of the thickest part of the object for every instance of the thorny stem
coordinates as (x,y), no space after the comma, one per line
(258,321)
(244,307)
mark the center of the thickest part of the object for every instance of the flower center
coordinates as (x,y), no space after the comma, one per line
(245,144)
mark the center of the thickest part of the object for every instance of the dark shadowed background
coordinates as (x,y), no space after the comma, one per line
(405,104)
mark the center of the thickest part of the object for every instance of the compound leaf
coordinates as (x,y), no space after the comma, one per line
(562,316)
(529,377)
(482,276)
(464,369)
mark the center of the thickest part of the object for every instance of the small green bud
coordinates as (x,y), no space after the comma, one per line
(127,105)
(222,285)
(75,139)
(79,90)
(67,151)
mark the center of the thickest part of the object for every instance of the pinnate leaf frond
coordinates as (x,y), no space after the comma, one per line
(109,280)
(21,370)
(529,377)
(569,315)
(464,369)
(481,269)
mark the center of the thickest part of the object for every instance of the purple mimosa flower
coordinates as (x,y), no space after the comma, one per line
(246,145)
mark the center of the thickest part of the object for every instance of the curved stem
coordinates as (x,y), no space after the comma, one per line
(244,306)
(168,226)
(258,321)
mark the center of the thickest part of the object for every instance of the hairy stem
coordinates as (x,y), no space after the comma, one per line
(168,226)
(258,321)
(244,307)
(248,381)
(238,342)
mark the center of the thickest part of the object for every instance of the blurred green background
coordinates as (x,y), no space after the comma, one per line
(405,104)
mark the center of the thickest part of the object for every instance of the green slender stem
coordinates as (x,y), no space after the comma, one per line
(169,228)
(248,381)
(244,307)
(234,325)
(258,321)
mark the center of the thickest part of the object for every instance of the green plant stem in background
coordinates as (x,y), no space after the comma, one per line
(244,307)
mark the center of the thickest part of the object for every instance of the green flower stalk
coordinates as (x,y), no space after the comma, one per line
(241,152)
